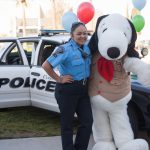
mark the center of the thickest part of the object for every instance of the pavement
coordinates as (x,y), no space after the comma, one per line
(37,143)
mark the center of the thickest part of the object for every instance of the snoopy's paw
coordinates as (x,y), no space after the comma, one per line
(104,146)
(144,76)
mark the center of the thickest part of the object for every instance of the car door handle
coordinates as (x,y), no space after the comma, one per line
(35,74)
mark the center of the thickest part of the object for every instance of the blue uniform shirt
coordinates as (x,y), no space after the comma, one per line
(69,60)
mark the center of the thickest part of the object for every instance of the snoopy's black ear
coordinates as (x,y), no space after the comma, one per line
(93,43)
(131,52)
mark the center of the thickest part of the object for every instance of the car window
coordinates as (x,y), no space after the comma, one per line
(29,47)
(4,45)
(14,57)
(46,50)
(9,53)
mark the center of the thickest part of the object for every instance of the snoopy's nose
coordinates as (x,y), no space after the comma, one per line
(113,52)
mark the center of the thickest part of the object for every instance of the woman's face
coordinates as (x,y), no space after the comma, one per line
(80,35)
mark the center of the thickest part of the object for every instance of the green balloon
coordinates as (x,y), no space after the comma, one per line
(138,22)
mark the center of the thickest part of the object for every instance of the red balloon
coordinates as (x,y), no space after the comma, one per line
(85,12)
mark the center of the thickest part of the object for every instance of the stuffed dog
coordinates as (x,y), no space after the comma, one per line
(113,57)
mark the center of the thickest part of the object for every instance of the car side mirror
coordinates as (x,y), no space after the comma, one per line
(144,51)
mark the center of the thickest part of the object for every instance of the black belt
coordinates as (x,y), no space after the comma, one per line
(83,81)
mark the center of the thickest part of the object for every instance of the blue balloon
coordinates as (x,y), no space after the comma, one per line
(139,4)
(68,19)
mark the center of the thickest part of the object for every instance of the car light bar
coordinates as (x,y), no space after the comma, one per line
(46,32)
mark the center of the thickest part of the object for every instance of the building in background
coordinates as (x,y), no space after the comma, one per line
(28,17)
(7,18)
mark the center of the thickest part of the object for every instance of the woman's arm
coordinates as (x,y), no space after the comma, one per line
(61,79)
(49,69)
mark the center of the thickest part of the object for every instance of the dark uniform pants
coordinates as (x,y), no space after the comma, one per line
(73,98)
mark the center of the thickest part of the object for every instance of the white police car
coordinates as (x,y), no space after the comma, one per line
(139,106)
(23,81)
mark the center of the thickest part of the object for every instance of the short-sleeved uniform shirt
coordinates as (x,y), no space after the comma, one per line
(68,58)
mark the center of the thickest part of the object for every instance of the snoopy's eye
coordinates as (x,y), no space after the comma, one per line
(104,30)
(125,34)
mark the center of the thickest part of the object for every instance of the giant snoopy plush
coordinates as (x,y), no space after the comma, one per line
(112,47)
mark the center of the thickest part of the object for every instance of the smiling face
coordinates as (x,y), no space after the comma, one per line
(114,35)
(79,35)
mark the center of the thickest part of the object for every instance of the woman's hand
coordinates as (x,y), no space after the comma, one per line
(66,79)
(60,79)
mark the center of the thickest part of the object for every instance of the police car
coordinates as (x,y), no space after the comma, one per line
(139,106)
(23,82)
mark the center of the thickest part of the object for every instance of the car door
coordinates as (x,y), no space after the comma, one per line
(14,74)
(42,86)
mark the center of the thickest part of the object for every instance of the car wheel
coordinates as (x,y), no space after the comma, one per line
(133,117)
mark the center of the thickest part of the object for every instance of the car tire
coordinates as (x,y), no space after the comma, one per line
(133,117)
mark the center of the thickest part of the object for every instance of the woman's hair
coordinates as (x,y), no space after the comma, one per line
(76,25)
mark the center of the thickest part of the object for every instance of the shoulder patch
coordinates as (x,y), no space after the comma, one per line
(57,51)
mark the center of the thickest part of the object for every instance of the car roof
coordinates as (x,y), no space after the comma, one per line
(30,39)
(20,38)
(60,38)
(8,39)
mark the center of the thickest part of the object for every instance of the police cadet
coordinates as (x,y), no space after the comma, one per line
(73,60)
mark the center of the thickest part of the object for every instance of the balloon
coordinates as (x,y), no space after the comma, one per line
(68,19)
(135,12)
(138,22)
(139,4)
(85,12)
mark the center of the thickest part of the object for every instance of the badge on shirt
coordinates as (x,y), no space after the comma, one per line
(59,50)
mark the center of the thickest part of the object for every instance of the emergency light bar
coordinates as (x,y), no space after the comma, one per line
(46,32)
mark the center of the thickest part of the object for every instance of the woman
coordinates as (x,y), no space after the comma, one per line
(71,92)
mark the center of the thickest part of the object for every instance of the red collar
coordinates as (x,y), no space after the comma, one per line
(105,68)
